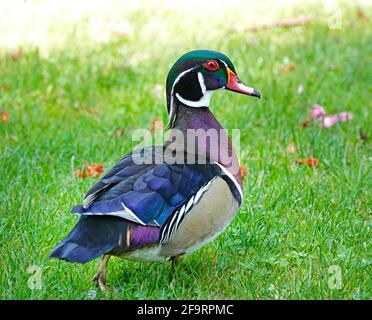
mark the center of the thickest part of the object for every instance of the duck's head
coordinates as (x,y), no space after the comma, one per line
(194,77)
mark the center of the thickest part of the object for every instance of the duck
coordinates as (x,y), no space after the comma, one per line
(163,202)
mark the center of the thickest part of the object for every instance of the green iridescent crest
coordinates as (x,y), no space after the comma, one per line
(194,59)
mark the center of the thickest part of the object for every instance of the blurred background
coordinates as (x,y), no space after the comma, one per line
(48,25)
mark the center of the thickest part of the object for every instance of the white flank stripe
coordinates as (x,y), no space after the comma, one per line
(171,227)
(198,195)
(189,204)
(162,238)
(171,223)
(169,231)
(180,215)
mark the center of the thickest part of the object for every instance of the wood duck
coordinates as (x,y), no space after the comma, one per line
(161,210)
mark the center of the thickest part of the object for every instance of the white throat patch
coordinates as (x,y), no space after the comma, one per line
(202,102)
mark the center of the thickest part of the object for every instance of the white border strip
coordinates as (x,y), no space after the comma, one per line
(232,178)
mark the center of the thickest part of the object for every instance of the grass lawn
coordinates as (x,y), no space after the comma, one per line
(298,227)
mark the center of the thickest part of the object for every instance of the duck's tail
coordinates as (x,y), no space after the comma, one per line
(92,236)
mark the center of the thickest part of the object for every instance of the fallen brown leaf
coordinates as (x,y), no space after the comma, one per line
(285,23)
(105,70)
(305,123)
(300,161)
(287,68)
(292,148)
(81,173)
(310,162)
(119,132)
(94,170)
(16,54)
(4,116)
(5,87)
(243,172)
(362,135)
(91,112)
(13,137)
(121,28)
(156,124)
(361,15)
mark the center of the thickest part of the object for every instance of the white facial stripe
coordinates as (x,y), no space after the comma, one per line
(180,76)
(171,113)
(181,213)
(203,101)
(224,63)
(189,204)
(201,83)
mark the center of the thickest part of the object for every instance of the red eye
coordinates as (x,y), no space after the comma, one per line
(211,65)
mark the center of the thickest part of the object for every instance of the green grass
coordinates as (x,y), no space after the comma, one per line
(295,222)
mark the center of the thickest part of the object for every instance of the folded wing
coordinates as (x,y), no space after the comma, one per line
(145,193)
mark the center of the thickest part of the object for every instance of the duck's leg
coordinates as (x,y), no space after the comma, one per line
(100,278)
(175,262)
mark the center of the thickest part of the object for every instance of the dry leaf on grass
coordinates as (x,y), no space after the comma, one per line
(285,23)
(94,170)
(121,28)
(156,125)
(361,15)
(292,148)
(105,70)
(362,135)
(243,172)
(13,137)
(305,123)
(119,132)
(287,68)
(310,162)
(4,116)
(6,87)
(91,112)
(16,54)
(87,110)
